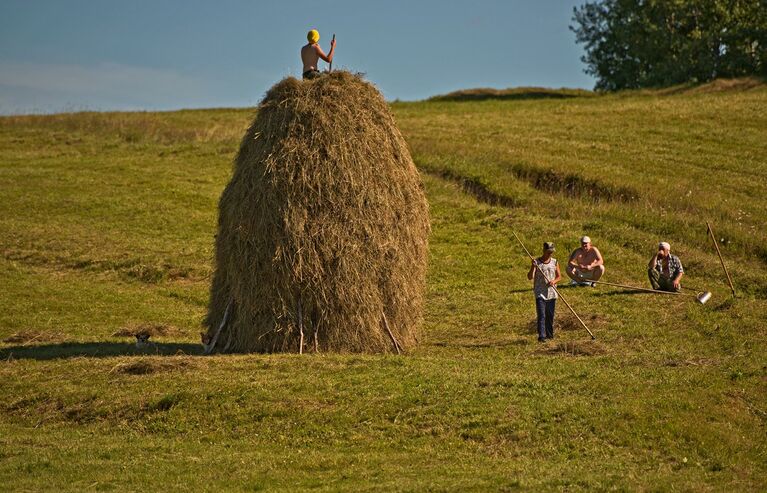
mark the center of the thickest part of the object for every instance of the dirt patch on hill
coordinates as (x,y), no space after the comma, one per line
(511,94)
(723,85)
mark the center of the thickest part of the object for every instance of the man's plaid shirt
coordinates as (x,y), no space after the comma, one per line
(674,266)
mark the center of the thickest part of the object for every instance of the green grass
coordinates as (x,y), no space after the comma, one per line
(108,222)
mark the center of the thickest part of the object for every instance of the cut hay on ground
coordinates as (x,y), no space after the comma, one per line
(323,228)
(26,337)
(149,329)
(146,366)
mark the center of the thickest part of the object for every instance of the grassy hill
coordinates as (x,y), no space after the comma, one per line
(108,223)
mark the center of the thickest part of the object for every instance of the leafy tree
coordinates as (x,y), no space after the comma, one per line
(650,43)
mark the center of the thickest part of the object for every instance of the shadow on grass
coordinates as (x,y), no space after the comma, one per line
(96,350)
(486,344)
(530,290)
(623,292)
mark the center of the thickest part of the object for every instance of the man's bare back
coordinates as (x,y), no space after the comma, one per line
(311,54)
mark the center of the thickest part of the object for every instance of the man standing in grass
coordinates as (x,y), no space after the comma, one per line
(543,287)
(665,270)
(311,54)
(586,264)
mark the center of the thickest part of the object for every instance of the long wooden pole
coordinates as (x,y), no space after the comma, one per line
(716,245)
(555,288)
(636,288)
(209,347)
(393,340)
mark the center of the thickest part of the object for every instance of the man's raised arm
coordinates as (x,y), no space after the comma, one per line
(329,57)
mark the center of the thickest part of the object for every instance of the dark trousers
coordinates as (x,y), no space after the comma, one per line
(660,282)
(545,311)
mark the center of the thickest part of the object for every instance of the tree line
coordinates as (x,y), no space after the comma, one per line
(653,43)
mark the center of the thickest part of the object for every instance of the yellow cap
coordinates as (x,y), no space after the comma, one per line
(313,36)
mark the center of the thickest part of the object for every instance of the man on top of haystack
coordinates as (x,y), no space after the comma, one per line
(311,54)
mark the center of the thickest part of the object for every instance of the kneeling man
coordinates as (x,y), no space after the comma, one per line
(586,264)
(665,270)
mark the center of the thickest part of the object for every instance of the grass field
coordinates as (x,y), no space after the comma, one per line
(107,224)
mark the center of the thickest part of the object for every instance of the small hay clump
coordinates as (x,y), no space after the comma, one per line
(323,228)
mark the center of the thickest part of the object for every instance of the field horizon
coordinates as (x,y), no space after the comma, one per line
(108,222)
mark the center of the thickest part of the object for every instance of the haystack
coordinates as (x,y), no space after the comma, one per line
(322,233)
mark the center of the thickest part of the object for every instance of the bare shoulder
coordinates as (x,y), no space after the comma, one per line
(576,252)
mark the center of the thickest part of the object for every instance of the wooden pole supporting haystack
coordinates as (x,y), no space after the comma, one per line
(300,327)
(212,345)
(316,342)
(393,340)
(716,245)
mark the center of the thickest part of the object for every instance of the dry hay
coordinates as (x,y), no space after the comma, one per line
(33,336)
(148,329)
(323,226)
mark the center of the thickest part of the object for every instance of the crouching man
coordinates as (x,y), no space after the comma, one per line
(665,270)
(585,265)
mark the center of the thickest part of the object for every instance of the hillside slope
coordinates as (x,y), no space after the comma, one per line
(108,223)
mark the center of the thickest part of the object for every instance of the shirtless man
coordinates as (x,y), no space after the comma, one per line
(586,264)
(311,54)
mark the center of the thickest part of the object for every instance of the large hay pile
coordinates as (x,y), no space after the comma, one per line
(323,228)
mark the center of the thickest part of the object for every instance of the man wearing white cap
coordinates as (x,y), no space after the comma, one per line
(586,264)
(665,270)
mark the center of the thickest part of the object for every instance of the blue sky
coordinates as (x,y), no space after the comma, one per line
(64,55)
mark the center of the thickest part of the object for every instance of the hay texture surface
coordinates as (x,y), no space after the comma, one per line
(323,228)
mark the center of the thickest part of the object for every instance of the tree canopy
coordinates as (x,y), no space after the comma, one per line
(652,43)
